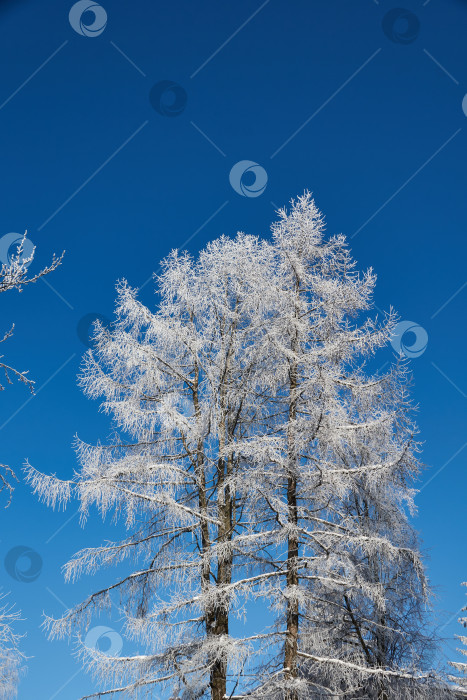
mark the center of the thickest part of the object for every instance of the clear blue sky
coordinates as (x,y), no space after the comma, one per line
(370,112)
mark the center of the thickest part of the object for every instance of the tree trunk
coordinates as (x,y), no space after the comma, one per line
(219,670)
(224,577)
(292,618)
(218,681)
(218,673)
(291,639)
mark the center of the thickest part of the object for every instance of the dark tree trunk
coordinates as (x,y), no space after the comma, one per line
(292,617)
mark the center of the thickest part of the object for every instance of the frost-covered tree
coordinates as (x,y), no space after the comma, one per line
(179,385)
(13,275)
(11,658)
(334,474)
(461,667)
(256,461)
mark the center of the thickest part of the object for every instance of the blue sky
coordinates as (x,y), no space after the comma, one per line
(355,101)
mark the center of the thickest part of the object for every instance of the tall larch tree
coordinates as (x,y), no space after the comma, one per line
(178,385)
(346,577)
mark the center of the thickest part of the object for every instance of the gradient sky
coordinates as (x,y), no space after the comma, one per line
(359,103)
